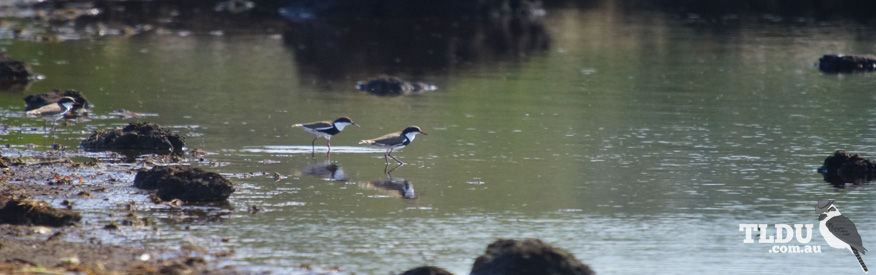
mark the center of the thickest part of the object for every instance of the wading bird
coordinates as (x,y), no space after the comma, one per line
(394,141)
(53,112)
(325,129)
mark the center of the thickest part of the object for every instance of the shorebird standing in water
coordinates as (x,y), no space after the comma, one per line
(53,112)
(325,129)
(393,141)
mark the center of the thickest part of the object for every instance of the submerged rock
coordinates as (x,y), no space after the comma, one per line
(185,183)
(39,100)
(529,256)
(837,63)
(28,212)
(427,270)
(842,167)
(393,86)
(11,69)
(139,136)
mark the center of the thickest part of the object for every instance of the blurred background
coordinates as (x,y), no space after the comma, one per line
(636,134)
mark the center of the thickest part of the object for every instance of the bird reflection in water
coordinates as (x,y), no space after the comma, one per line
(326,170)
(393,185)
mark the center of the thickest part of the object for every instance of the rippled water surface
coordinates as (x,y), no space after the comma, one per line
(637,140)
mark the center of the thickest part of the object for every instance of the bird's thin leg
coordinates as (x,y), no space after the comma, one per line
(389,173)
(313,148)
(45,134)
(52,132)
(329,144)
(385,159)
(393,157)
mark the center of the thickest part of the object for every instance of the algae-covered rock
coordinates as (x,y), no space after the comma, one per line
(28,212)
(529,256)
(185,183)
(140,136)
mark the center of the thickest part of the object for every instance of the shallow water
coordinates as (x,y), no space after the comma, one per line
(638,140)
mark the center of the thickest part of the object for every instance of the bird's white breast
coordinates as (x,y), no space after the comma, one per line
(341,125)
(411,135)
(318,133)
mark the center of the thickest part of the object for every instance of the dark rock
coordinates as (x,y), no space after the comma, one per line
(139,137)
(427,270)
(529,256)
(835,63)
(393,86)
(39,100)
(27,212)
(14,85)
(184,183)
(11,69)
(842,167)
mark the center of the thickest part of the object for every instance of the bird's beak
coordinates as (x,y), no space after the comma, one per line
(423,133)
(356,124)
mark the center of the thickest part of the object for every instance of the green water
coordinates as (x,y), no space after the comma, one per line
(639,142)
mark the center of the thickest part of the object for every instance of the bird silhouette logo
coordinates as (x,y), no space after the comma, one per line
(839,231)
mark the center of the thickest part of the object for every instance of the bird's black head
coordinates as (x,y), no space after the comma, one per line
(344,119)
(823,206)
(413,129)
(343,122)
(66,100)
(67,103)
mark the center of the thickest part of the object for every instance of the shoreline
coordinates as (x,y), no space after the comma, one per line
(98,244)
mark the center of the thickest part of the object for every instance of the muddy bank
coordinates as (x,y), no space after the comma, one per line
(136,138)
(56,188)
(184,183)
(6,162)
(26,249)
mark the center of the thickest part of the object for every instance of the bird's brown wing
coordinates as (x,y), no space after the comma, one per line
(385,140)
(50,109)
(315,125)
